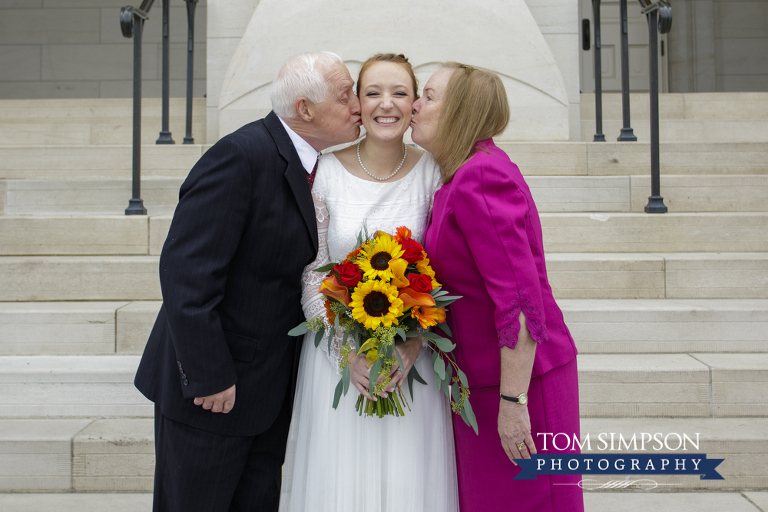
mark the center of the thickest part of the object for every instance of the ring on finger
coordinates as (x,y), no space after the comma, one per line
(520,446)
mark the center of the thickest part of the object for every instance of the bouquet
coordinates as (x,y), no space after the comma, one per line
(385,292)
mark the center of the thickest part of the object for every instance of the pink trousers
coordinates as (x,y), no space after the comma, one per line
(485,472)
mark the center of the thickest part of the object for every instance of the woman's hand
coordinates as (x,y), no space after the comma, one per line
(515,431)
(359,374)
(409,352)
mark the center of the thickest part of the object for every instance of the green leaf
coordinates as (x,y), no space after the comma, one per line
(374,376)
(300,329)
(368,345)
(401,333)
(433,291)
(345,337)
(444,327)
(443,344)
(438,293)
(400,360)
(442,302)
(336,321)
(331,334)
(410,380)
(455,392)
(319,337)
(345,376)
(417,376)
(447,388)
(440,368)
(337,393)
(470,415)
(463,378)
(448,372)
(434,355)
(326,267)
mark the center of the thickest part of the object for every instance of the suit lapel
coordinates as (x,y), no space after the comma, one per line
(294,173)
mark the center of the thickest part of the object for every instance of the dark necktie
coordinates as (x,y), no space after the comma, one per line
(311,177)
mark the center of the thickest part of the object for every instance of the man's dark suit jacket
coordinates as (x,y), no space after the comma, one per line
(230,272)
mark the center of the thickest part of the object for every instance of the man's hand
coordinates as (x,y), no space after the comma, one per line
(220,402)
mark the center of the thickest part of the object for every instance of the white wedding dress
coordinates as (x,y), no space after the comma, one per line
(337,461)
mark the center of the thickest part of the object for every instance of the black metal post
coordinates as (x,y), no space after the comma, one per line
(599,136)
(165,134)
(655,201)
(627,134)
(191,4)
(136,204)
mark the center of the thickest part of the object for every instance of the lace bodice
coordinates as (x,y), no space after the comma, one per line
(345,203)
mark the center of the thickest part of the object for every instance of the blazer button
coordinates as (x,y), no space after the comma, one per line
(183,376)
(186,382)
(178,363)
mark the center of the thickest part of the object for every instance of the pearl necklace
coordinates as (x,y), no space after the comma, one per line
(405,154)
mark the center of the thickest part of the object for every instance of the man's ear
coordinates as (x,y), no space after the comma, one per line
(305,110)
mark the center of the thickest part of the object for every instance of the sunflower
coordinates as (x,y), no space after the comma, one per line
(374,303)
(374,260)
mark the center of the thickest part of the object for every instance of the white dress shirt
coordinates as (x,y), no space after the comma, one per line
(307,153)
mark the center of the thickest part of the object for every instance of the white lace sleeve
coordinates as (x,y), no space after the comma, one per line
(312,301)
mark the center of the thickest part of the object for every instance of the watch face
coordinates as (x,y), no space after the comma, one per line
(523,398)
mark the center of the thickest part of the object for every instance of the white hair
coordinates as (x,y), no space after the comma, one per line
(302,75)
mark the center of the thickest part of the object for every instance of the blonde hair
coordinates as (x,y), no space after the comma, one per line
(475,108)
(389,57)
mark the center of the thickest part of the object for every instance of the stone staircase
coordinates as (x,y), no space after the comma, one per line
(670,312)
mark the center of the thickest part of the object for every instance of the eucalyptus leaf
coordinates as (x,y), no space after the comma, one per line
(447,388)
(401,333)
(470,415)
(444,327)
(400,360)
(440,368)
(374,376)
(443,344)
(463,378)
(455,392)
(326,267)
(417,376)
(337,393)
(410,380)
(448,372)
(345,376)
(319,337)
(331,333)
(433,291)
(336,322)
(300,329)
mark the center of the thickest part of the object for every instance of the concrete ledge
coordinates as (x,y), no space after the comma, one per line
(580,194)
(71,235)
(107,502)
(56,278)
(739,383)
(640,232)
(641,385)
(58,327)
(667,325)
(737,193)
(716,275)
(114,455)
(159,225)
(134,323)
(36,455)
(70,386)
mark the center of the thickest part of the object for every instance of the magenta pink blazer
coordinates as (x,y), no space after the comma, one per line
(484,242)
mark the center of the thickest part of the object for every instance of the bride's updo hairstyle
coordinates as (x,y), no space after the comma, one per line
(389,57)
(475,108)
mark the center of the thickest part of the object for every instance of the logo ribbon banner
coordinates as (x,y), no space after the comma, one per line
(619,464)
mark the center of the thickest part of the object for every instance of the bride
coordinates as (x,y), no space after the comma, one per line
(338,461)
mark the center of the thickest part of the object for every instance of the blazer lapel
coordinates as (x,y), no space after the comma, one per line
(295,174)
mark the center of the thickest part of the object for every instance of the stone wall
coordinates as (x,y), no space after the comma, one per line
(75,49)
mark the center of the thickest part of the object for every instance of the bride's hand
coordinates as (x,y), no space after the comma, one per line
(409,352)
(359,374)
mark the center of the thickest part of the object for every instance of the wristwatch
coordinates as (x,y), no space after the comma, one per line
(521,399)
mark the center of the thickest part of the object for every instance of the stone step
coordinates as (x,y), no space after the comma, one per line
(70,386)
(106,161)
(618,501)
(599,326)
(556,194)
(683,130)
(741,442)
(93,121)
(32,235)
(702,106)
(533,158)
(610,385)
(91,196)
(633,158)
(572,276)
(624,326)
(676,385)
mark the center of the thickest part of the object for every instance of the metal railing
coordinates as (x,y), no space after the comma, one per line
(132,25)
(659,16)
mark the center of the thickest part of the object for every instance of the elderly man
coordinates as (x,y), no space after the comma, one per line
(219,365)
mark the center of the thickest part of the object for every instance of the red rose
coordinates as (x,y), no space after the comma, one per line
(413,250)
(349,274)
(420,282)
